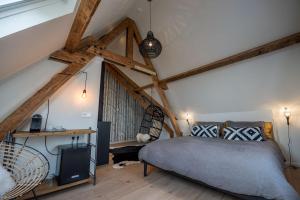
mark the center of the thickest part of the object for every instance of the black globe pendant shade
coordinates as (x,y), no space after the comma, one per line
(150,46)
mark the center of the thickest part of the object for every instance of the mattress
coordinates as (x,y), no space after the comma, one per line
(247,168)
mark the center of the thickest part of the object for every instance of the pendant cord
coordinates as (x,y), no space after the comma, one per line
(150,14)
(85,80)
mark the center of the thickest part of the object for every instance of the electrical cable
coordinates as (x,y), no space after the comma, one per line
(25,141)
(48,108)
(45,128)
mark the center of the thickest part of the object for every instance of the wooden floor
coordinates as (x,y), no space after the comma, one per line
(129,184)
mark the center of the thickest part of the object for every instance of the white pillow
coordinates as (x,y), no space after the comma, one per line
(6,181)
(142,138)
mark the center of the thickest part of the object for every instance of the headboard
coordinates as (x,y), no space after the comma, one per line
(268,130)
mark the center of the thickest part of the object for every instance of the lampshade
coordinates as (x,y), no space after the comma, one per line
(150,46)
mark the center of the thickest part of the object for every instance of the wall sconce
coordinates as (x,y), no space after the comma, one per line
(188,117)
(84,95)
(287,115)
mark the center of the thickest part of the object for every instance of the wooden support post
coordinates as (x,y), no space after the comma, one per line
(129,43)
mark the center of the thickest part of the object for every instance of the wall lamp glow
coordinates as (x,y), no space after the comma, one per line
(188,117)
(84,95)
(287,115)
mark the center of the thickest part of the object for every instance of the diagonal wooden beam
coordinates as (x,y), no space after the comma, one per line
(155,80)
(251,53)
(130,86)
(166,104)
(25,111)
(138,38)
(83,16)
(108,38)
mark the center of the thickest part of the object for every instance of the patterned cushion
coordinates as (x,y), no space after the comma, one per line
(205,131)
(241,124)
(243,134)
(220,125)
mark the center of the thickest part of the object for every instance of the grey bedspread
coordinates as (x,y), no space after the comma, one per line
(248,168)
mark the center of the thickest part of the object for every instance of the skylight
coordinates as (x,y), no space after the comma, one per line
(13,3)
(18,15)
(8,2)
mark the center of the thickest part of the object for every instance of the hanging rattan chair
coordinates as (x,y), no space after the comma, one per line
(152,122)
(27,166)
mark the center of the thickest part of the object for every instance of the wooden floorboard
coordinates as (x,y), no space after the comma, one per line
(128,184)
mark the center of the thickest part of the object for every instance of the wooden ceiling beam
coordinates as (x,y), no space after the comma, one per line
(257,51)
(121,60)
(68,57)
(83,16)
(108,38)
(86,42)
(77,54)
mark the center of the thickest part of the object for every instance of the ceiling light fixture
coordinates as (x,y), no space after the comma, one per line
(150,47)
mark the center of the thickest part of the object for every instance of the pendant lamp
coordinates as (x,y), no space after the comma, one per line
(150,47)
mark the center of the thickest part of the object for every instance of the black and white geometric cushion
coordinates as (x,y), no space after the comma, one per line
(205,131)
(243,134)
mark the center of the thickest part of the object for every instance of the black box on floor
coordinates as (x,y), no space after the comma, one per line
(73,163)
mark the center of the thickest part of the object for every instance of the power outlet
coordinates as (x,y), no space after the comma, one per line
(86,115)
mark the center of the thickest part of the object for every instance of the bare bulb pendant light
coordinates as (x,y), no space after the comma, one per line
(84,95)
(150,47)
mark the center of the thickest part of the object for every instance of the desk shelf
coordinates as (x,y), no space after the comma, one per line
(25,134)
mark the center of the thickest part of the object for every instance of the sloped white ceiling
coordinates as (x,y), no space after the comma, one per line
(192,32)
(107,15)
(22,49)
(197,32)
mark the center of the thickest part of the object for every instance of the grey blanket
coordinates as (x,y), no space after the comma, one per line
(247,168)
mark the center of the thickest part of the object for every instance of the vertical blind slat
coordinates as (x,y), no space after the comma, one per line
(124,113)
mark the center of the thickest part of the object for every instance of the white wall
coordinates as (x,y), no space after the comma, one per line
(66,105)
(197,32)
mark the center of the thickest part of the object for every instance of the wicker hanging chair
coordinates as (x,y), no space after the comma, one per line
(27,166)
(152,122)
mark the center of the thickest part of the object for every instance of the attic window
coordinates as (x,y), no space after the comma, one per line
(18,15)
(11,4)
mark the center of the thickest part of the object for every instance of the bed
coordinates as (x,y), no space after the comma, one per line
(248,170)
